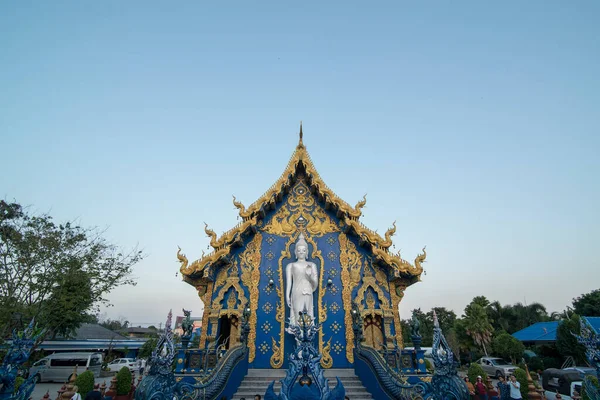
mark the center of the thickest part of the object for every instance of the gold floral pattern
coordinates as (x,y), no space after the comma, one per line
(337,347)
(266,327)
(351,262)
(334,308)
(268,289)
(250,261)
(264,347)
(267,307)
(335,327)
(333,289)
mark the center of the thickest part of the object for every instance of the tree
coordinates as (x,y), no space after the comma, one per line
(115,325)
(61,313)
(588,305)
(508,347)
(147,348)
(445,318)
(36,257)
(477,325)
(567,344)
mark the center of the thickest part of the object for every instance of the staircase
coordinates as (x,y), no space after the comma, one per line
(257,381)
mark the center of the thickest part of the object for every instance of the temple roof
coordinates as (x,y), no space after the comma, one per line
(300,165)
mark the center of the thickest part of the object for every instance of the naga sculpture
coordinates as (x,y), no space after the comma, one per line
(160,384)
(18,353)
(305,360)
(591,341)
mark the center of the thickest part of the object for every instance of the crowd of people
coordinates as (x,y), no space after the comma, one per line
(507,390)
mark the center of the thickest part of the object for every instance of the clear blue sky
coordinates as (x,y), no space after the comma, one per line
(473,124)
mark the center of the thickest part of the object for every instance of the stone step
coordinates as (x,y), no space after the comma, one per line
(277,379)
(258,380)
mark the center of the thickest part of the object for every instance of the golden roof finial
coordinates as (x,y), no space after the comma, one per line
(300,143)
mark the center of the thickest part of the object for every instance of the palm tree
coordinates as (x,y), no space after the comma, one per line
(478,326)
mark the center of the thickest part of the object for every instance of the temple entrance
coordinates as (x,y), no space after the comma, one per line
(373,331)
(229,332)
(224,331)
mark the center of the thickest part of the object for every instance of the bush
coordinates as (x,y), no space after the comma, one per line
(123,381)
(521,376)
(536,364)
(474,371)
(85,383)
(594,381)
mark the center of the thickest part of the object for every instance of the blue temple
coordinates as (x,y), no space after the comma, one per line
(358,286)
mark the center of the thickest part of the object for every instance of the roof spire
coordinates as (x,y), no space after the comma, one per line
(300,144)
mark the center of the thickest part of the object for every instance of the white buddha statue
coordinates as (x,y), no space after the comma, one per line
(302,280)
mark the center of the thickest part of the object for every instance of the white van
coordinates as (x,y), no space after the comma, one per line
(59,366)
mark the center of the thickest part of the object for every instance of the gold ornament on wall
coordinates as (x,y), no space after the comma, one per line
(250,262)
(350,261)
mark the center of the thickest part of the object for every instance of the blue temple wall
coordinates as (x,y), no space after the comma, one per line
(276,251)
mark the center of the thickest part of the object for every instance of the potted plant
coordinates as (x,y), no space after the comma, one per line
(124,380)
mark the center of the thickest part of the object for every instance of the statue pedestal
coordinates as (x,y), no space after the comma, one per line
(185,341)
(416,342)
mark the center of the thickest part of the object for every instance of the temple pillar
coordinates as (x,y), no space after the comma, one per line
(397,293)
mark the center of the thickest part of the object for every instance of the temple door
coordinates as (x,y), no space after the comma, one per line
(234,335)
(373,331)
(224,331)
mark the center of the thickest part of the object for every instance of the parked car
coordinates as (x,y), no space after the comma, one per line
(583,371)
(562,381)
(58,367)
(494,366)
(119,363)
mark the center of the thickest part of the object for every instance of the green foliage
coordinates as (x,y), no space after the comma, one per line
(18,382)
(566,343)
(123,381)
(147,348)
(477,325)
(508,347)
(85,383)
(446,319)
(40,259)
(588,305)
(474,371)
(584,394)
(62,311)
(521,376)
(512,318)
(536,364)
(115,325)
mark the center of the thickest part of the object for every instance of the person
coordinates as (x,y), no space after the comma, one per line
(470,387)
(76,396)
(503,389)
(346,398)
(94,394)
(302,280)
(257,397)
(515,388)
(480,389)
(142,366)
